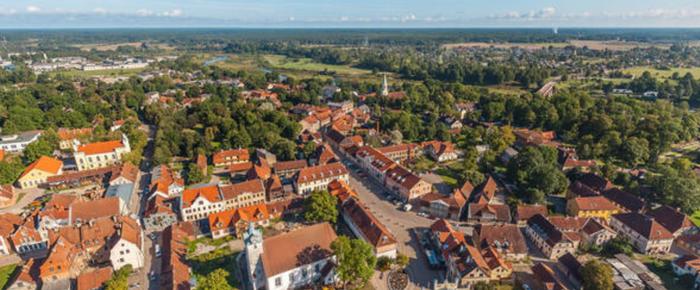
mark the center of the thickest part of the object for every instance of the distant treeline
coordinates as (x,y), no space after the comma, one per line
(204,37)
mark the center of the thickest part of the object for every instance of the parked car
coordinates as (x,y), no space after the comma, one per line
(407,207)
(157,250)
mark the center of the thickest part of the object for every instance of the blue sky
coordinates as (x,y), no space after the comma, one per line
(349,13)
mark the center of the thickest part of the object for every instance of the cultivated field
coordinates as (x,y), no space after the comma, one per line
(592,44)
(108,47)
(662,74)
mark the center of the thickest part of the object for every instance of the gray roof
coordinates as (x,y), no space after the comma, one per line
(123,191)
(19,138)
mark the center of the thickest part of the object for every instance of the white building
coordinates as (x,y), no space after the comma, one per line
(17,142)
(127,246)
(274,263)
(100,154)
(315,178)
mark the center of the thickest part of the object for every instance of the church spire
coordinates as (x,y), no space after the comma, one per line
(385,87)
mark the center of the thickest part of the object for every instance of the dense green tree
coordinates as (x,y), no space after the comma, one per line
(617,245)
(596,275)
(536,173)
(321,206)
(10,171)
(119,280)
(356,261)
(215,280)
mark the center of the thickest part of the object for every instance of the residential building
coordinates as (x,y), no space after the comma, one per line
(127,246)
(232,156)
(673,220)
(39,171)
(57,265)
(645,233)
(287,169)
(374,163)
(17,142)
(274,264)
(159,214)
(628,202)
(243,194)
(592,206)
(488,213)
(8,223)
(367,227)
(507,239)
(236,221)
(406,184)
(124,192)
(7,195)
(546,278)
(571,268)
(199,202)
(596,233)
(93,280)
(126,173)
(164,183)
(401,152)
(440,151)
(524,212)
(466,263)
(100,154)
(689,243)
(315,178)
(551,241)
(67,138)
(444,206)
(175,272)
(686,265)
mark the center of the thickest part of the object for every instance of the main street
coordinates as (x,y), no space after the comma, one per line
(401,224)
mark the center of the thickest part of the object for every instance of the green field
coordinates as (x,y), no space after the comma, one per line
(306,64)
(5,274)
(94,73)
(662,74)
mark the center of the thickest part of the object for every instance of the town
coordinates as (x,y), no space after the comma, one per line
(224,169)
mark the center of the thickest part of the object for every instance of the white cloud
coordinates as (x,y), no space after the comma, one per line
(409,17)
(144,12)
(172,13)
(544,13)
(33,9)
(291,18)
(100,10)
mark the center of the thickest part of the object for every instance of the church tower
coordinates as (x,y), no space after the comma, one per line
(385,87)
(253,252)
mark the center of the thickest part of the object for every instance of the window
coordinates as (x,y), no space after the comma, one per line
(278,281)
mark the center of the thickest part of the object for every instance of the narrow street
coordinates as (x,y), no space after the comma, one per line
(151,263)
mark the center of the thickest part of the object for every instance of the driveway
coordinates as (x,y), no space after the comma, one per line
(27,196)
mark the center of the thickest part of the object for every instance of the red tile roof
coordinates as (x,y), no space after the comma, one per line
(672,219)
(372,229)
(592,203)
(93,209)
(646,226)
(225,156)
(310,174)
(250,186)
(291,250)
(93,279)
(526,211)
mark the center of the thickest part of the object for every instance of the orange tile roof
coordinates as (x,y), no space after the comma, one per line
(69,134)
(209,192)
(94,279)
(230,155)
(100,147)
(44,163)
(2,155)
(93,209)
(594,203)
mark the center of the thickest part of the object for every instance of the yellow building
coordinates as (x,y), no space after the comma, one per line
(592,207)
(36,173)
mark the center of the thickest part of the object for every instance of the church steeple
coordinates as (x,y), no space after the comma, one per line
(385,87)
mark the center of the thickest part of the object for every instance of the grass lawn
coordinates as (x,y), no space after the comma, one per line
(423,164)
(448,176)
(663,74)
(222,258)
(6,273)
(307,64)
(695,218)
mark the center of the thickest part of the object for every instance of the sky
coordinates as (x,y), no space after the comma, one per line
(348,13)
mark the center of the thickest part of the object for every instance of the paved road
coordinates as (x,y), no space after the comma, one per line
(400,223)
(28,196)
(151,262)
